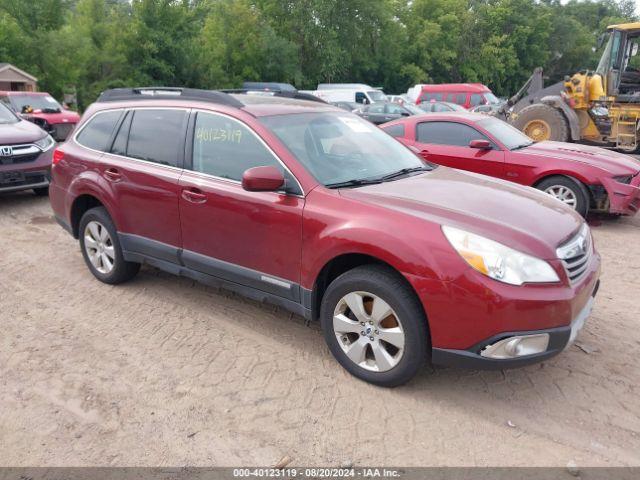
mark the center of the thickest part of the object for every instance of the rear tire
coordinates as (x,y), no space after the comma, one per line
(542,122)
(386,341)
(101,248)
(569,191)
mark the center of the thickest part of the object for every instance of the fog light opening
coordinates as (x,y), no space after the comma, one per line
(517,346)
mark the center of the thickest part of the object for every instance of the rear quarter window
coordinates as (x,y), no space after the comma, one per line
(98,130)
(395,130)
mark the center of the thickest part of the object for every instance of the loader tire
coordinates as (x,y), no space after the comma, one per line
(542,122)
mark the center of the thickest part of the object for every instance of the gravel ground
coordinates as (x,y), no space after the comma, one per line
(163,371)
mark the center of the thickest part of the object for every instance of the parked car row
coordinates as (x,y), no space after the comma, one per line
(319,211)
(43,110)
(585,178)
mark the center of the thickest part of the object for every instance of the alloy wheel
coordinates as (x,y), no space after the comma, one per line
(564,194)
(99,247)
(368,331)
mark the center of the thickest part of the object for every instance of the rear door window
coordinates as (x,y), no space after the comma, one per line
(461,98)
(447,133)
(157,135)
(98,130)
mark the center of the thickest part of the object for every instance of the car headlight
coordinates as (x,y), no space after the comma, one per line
(498,261)
(45,143)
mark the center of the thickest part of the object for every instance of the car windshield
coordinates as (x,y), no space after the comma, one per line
(377,96)
(46,103)
(413,109)
(509,136)
(491,99)
(337,148)
(7,116)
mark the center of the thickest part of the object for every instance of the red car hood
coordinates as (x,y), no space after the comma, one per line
(519,217)
(613,162)
(21,132)
(55,118)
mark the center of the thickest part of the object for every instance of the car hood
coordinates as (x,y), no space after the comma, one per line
(519,217)
(609,160)
(21,132)
(64,116)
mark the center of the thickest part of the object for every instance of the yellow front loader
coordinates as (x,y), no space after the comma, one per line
(600,106)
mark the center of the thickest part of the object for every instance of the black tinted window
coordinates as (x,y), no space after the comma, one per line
(447,133)
(97,132)
(156,135)
(225,148)
(120,143)
(395,130)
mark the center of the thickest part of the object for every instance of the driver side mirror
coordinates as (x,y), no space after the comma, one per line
(262,179)
(480,144)
(405,114)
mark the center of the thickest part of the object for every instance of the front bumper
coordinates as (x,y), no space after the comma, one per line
(25,176)
(623,198)
(475,357)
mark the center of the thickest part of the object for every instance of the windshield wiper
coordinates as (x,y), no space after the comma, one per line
(356,182)
(405,171)
(522,145)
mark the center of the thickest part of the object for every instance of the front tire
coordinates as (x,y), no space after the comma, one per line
(374,325)
(41,192)
(542,122)
(101,248)
(569,191)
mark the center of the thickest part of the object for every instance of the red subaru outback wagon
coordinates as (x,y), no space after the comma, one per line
(309,207)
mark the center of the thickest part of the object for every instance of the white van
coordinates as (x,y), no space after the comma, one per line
(348,92)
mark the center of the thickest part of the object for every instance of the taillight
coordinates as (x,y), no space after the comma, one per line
(58,155)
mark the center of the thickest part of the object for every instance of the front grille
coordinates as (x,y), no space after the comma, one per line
(576,253)
(18,154)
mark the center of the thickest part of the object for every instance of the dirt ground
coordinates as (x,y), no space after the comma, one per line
(163,371)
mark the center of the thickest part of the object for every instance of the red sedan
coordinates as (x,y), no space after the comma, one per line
(583,177)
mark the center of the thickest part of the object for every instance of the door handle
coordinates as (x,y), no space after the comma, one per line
(194,195)
(112,174)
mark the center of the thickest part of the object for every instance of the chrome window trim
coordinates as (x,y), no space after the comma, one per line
(264,144)
(171,167)
(124,109)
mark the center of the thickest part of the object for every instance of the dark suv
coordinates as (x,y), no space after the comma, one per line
(25,154)
(312,208)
